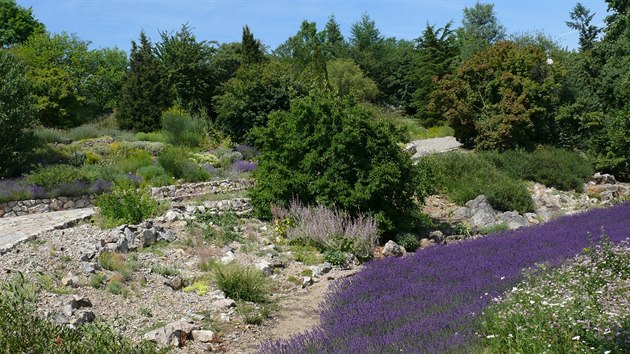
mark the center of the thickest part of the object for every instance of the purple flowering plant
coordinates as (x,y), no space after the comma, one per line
(431,302)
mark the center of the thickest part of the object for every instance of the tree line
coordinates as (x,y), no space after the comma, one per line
(496,90)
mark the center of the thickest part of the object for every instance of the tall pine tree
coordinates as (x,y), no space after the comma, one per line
(144,95)
(252,51)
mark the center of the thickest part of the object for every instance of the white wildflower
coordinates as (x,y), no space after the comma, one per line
(575,338)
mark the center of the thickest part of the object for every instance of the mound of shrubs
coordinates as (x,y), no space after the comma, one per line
(327,150)
(126,204)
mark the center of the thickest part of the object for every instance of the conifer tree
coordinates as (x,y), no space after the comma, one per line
(252,51)
(144,95)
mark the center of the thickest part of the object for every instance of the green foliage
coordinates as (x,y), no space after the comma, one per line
(126,204)
(346,78)
(493,229)
(186,66)
(178,163)
(335,257)
(134,161)
(553,167)
(155,175)
(328,150)
(72,83)
(305,52)
(248,98)
(52,176)
(17,22)
(305,253)
(480,29)
(437,51)
(97,280)
(221,227)
(577,308)
(153,137)
(144,94)
(24,331)
(409,241)
(464,176)
(252,51)
(242,282)
(164,270)
(181,129)
(501,98)
(16,112)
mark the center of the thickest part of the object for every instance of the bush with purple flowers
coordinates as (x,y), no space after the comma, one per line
(243,166)
(431,301)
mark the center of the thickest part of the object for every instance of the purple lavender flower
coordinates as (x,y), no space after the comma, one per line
(70,189)
(430,302)
(248,152)
(137,180)
(100,186)
(13,189)
(37,192)
(213,171)
(243,166)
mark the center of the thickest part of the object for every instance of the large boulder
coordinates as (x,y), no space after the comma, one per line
(392,249)
(482,214)
(513,220)
(174,334)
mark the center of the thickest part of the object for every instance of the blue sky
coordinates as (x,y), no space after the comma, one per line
(108,23)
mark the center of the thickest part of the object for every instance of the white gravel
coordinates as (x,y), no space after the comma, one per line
(435,145)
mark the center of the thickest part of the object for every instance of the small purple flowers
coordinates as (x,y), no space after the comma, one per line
(243,166)
(430,302)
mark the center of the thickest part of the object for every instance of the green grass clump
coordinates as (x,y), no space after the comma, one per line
(553,167)
(164,270)
(124,264)
(22,331)
(241,282)
(180,129)
(156,137)
(155,175)
(134,161)
(409,241)
(464,176)
(51,135)
(52,176)
(307,254)
(581,307)
(126,205)
(177,162)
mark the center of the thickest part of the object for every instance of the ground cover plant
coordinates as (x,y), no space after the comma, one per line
(126,204)
(464,176)
(23,331)
(431,301)
(581,307)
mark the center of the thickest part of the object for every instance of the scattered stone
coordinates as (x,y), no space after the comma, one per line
(321,269)
(203,336)
(224,303)
(392,249)
(229,257)
(265,267)
(411,148)
(307,281)
(70,280)
(171,216)
(83,317)
(437,236)
(605,178)
(425,242)
(513,219)
(482,214)
(176,283)
(174,334)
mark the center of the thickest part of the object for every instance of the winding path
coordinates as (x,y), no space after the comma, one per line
(15,230)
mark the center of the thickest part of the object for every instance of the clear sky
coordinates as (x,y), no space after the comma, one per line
(108,23)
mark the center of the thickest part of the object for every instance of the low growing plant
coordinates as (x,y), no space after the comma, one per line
(126,204)
(241,282)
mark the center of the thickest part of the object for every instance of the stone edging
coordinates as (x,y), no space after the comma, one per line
(174,193)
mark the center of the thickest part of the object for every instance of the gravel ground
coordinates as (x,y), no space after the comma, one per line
(435,145)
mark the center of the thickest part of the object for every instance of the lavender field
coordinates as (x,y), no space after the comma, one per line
(430,302)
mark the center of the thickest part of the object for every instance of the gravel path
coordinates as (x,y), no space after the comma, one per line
(435,145)
(15,230)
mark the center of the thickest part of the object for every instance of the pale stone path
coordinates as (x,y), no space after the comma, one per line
(19,229)
(435,145)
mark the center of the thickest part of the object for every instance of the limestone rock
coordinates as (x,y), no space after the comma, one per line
(513,220)
(392,249)
(481,211)
(203,336)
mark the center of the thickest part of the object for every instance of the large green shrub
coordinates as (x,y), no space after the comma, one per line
(553,167)
(178,163)
(50,177)
(242,282)
(328,150)
(179,128)
(464,176)
(126,204)
(155,175)
(501,98)
(17,113)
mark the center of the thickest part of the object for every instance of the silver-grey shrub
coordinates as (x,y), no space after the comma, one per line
(332,228)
